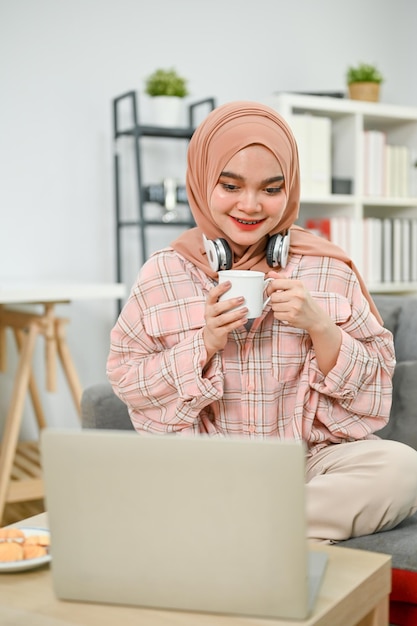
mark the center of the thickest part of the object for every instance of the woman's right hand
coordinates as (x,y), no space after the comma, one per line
(221,318)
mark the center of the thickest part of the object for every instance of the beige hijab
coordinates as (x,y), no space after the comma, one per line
(226,130)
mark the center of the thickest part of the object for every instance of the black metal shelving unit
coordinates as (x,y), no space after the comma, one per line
(146,193)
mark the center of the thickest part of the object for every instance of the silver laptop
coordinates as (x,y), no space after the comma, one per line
(200,524)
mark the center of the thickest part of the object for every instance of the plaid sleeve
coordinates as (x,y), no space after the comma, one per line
(157,354)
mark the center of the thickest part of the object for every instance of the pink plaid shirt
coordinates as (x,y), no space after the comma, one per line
(266,381)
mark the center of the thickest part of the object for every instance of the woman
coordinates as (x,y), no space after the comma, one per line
(317,365)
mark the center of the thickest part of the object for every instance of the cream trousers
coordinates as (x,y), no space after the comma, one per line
(359,488)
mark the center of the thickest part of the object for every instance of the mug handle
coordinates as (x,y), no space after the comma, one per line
(266,283)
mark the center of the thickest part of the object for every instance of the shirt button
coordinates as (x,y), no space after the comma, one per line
(251,387)
(251,428)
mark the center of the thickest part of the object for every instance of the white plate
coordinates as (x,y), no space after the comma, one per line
(25,564)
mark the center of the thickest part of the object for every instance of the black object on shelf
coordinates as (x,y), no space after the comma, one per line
(160,193)
(324,94)
(166,193)
(342,186)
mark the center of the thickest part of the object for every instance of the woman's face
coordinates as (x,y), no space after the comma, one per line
(250,196)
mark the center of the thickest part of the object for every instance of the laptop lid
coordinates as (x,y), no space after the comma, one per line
(201,524)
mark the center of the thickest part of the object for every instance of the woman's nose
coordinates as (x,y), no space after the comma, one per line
(249,202)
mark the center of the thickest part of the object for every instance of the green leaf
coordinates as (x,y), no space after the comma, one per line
(166,83)
(364,73)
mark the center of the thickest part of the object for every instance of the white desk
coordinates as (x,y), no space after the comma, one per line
(20,471)
(355,592)
(18,292)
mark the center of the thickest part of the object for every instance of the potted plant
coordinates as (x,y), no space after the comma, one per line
(364,82)
(166,83)
(167,90)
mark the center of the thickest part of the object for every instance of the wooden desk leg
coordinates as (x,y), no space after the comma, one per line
(50,346)
(3,348)
(379,616)
(14,416)
(68,364)
(34,393)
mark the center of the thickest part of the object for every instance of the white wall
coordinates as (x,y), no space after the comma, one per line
(62,62)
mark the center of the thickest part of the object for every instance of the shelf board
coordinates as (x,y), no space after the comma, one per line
(336,107)
(156,131)
(335,198)
(393,288)
(364,200)
(390,202)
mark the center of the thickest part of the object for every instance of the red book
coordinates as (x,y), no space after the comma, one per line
(319,226)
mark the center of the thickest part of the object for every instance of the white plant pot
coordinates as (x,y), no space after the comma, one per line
(167,111)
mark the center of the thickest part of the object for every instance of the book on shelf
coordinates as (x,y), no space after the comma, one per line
(399,249)
(387,169)
(320,226)
(374,143)
(396,249)
(386,247)
(298,125)
(331,228)
(413,250)
(397,179)
(400,171)
(404,172)
(386,250)
(405,250)
(372,250)
(349,234)
(320,146)
(389,190)
(340,230)
(313,136)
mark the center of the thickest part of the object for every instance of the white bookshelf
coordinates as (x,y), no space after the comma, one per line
(350,120)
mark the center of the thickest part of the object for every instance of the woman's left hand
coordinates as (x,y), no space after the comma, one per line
(293,304)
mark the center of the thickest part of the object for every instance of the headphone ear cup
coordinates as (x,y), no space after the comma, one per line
(272,250)
(212,253)
(285,249)
(226,259)
(219,254)
(277,250)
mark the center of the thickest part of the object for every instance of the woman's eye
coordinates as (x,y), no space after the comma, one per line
(229,187)
(273,190)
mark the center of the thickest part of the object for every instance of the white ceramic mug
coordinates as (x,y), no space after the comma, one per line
(249,284)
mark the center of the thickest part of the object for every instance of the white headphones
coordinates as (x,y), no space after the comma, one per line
(220,256)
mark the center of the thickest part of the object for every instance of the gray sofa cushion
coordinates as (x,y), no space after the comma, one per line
(101,408)
(389,313)
(406,335)
(404,405)
(400,542)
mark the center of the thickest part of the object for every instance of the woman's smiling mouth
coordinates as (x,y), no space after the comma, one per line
(247,224)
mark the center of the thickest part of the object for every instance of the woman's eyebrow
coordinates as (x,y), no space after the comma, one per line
(273,179)
(267,181)
(231,175)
